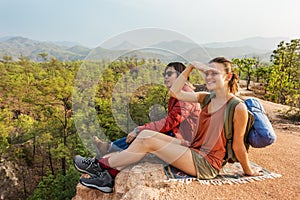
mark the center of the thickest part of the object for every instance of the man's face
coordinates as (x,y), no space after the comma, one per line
(170,76)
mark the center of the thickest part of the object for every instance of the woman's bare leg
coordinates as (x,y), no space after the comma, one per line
(163,146)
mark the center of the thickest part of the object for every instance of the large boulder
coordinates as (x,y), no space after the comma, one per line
(144,180)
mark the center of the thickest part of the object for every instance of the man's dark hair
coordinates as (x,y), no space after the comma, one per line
(178,66)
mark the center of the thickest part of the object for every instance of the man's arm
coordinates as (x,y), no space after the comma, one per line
(180,112)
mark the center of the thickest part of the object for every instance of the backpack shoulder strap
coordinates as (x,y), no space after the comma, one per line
(207,99)
(228,117)
(228,129)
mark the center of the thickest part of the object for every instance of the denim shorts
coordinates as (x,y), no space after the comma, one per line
(204,169)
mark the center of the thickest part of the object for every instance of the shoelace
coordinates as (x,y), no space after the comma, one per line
(98,175)
(88,161)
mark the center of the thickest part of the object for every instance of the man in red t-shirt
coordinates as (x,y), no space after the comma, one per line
(180,122)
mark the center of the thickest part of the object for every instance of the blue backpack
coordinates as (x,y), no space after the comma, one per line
(259,131)
(262,133)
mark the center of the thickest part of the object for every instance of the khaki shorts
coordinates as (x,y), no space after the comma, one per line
(204,169)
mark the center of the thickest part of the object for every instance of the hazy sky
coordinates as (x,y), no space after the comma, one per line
(91,22)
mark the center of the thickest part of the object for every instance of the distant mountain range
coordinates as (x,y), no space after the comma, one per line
(19,46)
(165,51)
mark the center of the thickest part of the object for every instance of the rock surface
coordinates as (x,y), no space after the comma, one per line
(144,180)
(9,177)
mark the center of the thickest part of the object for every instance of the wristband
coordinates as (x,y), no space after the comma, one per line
(136,130)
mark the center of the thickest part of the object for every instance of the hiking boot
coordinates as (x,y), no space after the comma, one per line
(87,165)
(101,147)
(102,181)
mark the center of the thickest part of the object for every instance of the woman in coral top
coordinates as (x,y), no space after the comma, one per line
(204,157)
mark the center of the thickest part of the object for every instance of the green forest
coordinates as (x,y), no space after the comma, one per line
(46,107)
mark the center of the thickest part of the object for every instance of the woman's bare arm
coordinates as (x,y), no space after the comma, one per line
(177,92)
(240,122)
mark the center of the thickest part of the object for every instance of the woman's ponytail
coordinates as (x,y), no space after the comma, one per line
(233,83)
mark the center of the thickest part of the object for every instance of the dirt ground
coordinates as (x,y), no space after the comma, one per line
(282,157)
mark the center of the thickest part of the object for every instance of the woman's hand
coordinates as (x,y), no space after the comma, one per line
(255,171)
(200,66)
(131,136)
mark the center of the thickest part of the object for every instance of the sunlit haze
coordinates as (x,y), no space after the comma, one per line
(92,22)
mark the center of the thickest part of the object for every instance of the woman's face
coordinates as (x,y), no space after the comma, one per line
(170,75)
(215,77)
